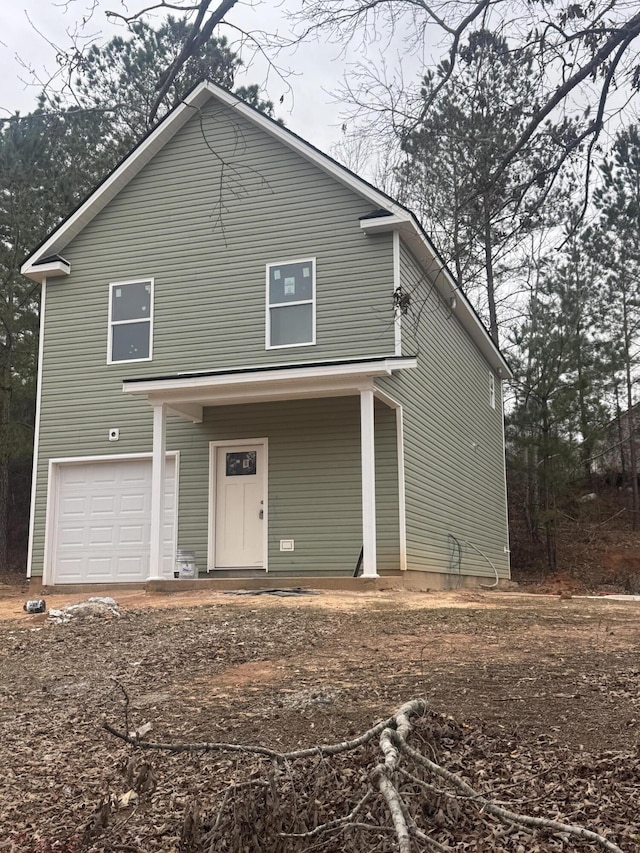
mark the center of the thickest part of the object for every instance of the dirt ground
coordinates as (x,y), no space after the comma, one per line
(538,674)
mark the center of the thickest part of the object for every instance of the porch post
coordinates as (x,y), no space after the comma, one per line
(157,492)
(367,445)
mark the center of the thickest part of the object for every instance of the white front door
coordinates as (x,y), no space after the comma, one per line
(240,508)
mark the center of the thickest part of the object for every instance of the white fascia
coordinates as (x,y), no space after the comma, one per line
(266,378)
(186,397)
(40,272)
(36,436)
(167,128)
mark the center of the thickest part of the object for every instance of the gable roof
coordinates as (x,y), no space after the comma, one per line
(387,213)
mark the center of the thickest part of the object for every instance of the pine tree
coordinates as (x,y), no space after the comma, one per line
(618,203)
(451,159)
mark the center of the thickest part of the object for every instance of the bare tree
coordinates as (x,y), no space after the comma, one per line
(585,53)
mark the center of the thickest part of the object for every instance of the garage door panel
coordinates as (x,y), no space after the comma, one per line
(133,503)
(74,506)
(77,475)
(131,478)
(103,521)
(101,535)
(71,571)
(102,505)
(130,535)
(129,568)
(72,537)
(99,569)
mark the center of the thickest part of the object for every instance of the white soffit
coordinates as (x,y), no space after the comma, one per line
(262,385)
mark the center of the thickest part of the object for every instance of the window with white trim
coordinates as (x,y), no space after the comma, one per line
(291,308)
(492,390)
(130,321)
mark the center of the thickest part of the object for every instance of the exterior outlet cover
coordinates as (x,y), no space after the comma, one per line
(287,545)
(114,434)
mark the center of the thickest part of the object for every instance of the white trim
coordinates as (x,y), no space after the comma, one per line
(36,434)
(506,491)
(188,411)
(269,306)
(52,504)
(402,503)
(382,224)
(377,367)
(211,535)
(271,393)
(51,521)
(397,320)
(492,389)
(385,398)
(106,457)
(368,464)
(167,128)
(52,269)
(158,475)
(111,323)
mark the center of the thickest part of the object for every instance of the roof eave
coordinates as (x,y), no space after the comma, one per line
(52,269)
(444,282)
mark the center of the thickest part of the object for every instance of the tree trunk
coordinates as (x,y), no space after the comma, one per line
(623,460)
(488,262)
(5,455)
(633,461)
(548,498)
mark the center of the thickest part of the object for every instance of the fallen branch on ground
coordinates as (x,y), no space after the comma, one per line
(384,805)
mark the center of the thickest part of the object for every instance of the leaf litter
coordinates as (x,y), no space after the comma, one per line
(557,737)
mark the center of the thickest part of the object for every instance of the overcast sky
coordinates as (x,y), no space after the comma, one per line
(33,29)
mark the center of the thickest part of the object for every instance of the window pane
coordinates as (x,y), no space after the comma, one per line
(131,301)
(241,464)
(290,282)
(130,341)
(292,325)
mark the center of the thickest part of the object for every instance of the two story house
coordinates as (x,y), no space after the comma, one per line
(248,352)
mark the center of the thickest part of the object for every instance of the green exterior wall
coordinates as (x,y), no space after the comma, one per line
(453,441)
(205,232)
(314,481)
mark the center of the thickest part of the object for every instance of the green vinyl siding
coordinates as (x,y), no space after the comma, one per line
(314,483)
(202,219)
(453,442)
(205,231)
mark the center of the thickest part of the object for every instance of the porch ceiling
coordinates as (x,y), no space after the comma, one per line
(186,395)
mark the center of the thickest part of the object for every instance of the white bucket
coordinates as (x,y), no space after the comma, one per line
(186,565)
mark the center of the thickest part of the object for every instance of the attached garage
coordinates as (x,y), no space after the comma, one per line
(100,519)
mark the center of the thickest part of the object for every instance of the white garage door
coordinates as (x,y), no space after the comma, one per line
(102,522)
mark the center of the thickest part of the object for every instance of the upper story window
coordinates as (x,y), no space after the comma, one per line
(492,390)
(291,304)
(130,321)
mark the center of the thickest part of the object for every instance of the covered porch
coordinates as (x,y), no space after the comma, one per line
(348,496)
